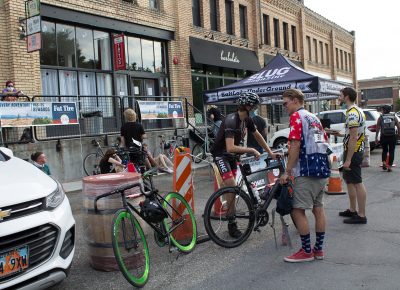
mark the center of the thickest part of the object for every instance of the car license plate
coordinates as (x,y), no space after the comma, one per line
(14,261)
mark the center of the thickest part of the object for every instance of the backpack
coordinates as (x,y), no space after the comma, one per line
(388,125)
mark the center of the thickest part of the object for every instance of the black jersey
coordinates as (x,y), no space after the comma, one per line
(231,127)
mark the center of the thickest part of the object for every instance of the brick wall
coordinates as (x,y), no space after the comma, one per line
(176,15)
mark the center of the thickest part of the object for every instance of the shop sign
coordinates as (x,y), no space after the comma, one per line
(34,42)
(32,8)
(229,56)
(150,110)
(33,25)
(25,114)
(119,52)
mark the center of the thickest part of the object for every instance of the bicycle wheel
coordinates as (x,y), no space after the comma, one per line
(198,153)
(180,223)
(91,164)
(130,248)
(216,214)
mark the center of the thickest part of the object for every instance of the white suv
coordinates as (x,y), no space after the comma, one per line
(37,229)
(337,120)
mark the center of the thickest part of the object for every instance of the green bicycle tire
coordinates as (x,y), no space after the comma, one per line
(119,217)
(188,244)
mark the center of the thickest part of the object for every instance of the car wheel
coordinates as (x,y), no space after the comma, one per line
(281,143)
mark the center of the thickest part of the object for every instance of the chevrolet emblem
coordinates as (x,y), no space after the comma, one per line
(4,213)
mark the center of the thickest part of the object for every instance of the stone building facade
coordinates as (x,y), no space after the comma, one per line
(376,92)
(172,48)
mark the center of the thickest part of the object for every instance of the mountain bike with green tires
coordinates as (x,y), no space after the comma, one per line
(170,217)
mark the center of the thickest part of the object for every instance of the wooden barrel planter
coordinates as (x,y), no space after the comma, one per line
(97,226)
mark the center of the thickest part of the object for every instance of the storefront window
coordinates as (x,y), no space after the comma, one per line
(214,83)
(84,48)
(87,87)
(213,70)
(121,85)
(68,83)
(102,52)
(104,88)
(48,54)
(148,55)
(49,82)
(199,84)
(229,72)
(158,57)
(66,45)
(134,54)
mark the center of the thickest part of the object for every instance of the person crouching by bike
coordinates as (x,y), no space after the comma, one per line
(386,125)
(111,163)
(308,164)
(228,139)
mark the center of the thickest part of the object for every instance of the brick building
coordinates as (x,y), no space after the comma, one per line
(162,40)
(172,48)
(377,92)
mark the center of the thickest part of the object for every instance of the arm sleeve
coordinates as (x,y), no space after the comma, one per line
(353,118)
(296,127)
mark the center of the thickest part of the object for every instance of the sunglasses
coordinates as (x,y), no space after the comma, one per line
(285,104)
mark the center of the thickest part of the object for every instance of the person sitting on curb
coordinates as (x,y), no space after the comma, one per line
(111,162)
(39,160)
(161,161)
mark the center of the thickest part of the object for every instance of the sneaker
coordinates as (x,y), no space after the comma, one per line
(233,230)
(389,170)
(384,166)
(318,254)
(300,256)
(356,219)
(347,213)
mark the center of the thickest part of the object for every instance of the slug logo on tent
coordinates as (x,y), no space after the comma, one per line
(268,75)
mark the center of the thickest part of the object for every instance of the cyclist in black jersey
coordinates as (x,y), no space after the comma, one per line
(228,140)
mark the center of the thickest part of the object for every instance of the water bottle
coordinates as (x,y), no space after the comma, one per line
(256,193)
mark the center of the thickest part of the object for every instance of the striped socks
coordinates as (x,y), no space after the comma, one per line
(319,241)
(306,243)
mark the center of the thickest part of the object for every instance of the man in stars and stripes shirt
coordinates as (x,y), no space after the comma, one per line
(308,164)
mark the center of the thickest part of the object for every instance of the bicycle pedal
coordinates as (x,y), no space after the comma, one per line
(257,229)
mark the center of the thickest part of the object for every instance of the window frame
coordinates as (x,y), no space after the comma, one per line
(229,20)
(196,13)
(243,21)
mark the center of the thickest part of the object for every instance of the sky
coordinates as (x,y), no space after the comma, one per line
(377,27)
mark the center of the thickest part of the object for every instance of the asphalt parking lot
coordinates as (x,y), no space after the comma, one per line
(357,256)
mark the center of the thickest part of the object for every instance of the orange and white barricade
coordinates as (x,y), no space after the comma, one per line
(183,184)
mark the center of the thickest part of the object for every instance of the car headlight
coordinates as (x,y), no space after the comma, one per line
(55,198)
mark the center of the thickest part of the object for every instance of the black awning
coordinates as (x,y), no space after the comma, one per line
(212,53)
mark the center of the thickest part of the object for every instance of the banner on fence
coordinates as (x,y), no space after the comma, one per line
(24,114)
(151,110)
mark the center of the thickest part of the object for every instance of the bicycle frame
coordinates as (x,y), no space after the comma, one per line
(246,172)
(132,209)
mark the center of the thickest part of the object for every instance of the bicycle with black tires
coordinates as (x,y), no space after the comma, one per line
(91,162)
(235,204)
(170,217)
(167,147)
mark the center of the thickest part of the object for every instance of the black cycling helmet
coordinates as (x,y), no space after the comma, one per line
(248,99)
(152,211)
(386,109)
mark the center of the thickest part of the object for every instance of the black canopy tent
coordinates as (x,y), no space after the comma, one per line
(270,82)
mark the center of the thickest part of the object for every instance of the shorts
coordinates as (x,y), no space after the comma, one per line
(227,167)
(353,176)
(308,192)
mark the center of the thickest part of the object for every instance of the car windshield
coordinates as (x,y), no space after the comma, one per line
(371,115)
(3,157)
